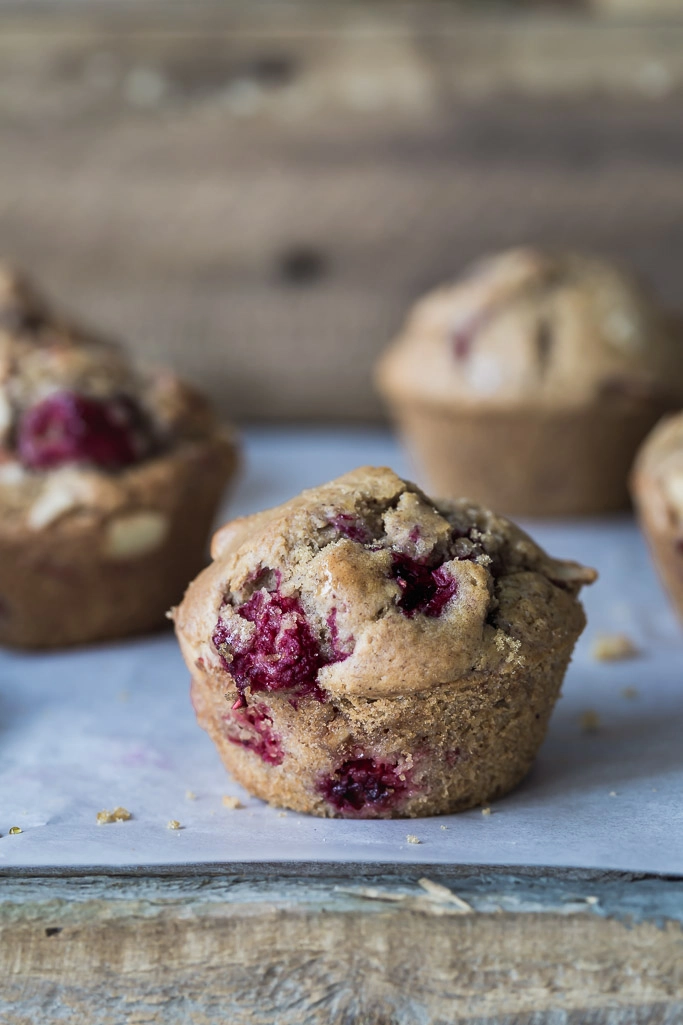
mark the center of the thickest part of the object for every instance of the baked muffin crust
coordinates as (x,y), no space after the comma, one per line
(529,383)
(363,623)
(109,479)
(555,330)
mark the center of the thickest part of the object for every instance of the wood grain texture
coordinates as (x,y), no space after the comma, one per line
(581,950)
(258,192)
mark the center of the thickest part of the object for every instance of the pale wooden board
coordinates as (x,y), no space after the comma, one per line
(253,949)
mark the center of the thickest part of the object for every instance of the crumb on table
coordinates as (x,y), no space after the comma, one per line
(117,815)
(613,647)
(630,693)
(590,721)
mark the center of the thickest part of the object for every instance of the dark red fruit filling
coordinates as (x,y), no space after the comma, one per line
(464,335)
(423,589)
(252,728)
(281,654)
(352,527)
(462,344)
(363,783)
(67,427)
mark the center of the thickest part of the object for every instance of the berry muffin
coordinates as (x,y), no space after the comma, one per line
(657,489)
(109,481)
(362,651)
(529,383)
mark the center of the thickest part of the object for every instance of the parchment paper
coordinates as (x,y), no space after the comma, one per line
(112,725)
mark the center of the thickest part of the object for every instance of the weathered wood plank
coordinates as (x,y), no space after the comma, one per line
(257,192)
(381,951)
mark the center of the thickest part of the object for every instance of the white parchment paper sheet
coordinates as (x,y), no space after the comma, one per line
(113,725)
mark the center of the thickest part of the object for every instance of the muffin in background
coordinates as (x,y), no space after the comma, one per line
(364,652)
(657,489)
(528,384)
(109,480)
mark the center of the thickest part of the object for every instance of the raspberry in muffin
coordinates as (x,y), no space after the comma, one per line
(363,651)
(528,384)
(657,489)
(109,480)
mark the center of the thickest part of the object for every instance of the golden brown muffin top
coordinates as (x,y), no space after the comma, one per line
(77,417)
(546,329)
(365,586)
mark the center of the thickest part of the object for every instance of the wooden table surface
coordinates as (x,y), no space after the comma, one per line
(341,946)
(258,192)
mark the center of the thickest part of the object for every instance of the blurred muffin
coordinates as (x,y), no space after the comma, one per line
(529,383)
(109,481)
(364,652)
(657,489)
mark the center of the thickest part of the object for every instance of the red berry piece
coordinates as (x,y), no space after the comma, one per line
(363,783)
(281,654)
(463,337)
(252,728)
(70,428)
(423,590)
(352,527)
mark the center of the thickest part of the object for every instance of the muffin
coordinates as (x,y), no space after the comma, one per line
(109,481)
(363,651)
(657,489)
(529,383)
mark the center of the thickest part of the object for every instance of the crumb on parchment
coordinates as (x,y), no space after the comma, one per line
(15,830)
(630,693)
(486,810)
(613,648)
(231,802)
(117,815)
(590,721)
(190,795)
(411,838)
(173,824)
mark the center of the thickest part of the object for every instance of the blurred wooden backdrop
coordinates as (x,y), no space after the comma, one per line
(257,191)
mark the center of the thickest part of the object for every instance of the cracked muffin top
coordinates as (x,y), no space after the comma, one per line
(76,416)
(552,329)
(364,586)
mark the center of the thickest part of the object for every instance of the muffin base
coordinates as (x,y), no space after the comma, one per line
(451,748)
(58,587)
(528,462)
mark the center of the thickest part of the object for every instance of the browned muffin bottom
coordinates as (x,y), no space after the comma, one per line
(364,651)
(529,383)
(657,489)
(109,480)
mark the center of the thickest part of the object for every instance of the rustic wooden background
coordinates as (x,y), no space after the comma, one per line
(256,192)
